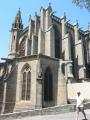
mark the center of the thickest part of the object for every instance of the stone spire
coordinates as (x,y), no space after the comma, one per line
(18,21)
(49,7)
(17,27)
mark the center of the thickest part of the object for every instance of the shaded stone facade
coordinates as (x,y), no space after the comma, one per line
(42,59)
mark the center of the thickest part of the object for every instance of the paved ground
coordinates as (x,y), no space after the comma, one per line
(65,116)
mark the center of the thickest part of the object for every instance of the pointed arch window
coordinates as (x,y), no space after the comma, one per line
(57,43)
(26,84)
(22,47)
(88,50)
(72,42)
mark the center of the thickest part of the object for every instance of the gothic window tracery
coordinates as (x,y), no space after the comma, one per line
(22,47)
(36,45)
(57,42)
(89,51)
(26,83)
(72,42)
(29,48)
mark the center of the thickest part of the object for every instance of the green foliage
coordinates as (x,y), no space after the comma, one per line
(82,4)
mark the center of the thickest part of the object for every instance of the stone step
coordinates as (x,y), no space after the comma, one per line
(35,112)
(43,111)
(23,107)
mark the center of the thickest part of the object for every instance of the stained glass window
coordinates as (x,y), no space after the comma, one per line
(22,48)
(57,43)
(26,84)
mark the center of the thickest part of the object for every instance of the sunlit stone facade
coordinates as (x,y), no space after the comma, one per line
(43,58)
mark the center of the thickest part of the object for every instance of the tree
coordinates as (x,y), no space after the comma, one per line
(82,4)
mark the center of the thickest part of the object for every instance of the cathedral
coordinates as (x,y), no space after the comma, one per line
(43,59)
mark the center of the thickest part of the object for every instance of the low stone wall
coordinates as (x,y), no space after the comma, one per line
(84,88)
(44,111)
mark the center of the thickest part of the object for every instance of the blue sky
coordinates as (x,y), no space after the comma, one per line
(9,8)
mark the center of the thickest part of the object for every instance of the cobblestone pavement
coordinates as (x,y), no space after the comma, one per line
(65,116)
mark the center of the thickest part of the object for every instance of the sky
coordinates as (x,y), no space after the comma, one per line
(9,8)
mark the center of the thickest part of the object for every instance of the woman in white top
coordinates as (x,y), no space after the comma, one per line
(80,105)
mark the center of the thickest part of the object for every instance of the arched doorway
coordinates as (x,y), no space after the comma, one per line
(47,88)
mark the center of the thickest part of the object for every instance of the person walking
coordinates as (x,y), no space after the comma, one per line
(80,106)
